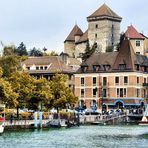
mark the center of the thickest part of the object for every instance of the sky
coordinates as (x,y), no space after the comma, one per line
(47,23)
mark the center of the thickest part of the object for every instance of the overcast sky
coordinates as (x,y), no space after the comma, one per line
(46,23)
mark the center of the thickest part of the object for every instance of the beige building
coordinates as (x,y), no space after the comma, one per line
(103,29)
(113,79)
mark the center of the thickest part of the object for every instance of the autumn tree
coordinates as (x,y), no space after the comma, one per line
(10,64)
(23,85)
(62,96)
(41,95)
(7,95)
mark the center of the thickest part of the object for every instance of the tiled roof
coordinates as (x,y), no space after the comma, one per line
(132,33)
(115,60)
(104,10)
(99,59)
(55,62)
(75,31)
(84,37)
(126,56)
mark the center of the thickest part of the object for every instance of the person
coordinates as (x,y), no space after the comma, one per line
(11,118)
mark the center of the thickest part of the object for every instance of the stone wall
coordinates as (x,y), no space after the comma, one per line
(101,31)
(80,48)
(69,48)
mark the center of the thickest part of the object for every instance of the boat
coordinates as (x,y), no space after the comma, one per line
(144,120)
(2,117)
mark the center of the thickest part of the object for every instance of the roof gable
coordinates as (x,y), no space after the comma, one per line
(104,10)
(76,31)
(132,33)
(126,56)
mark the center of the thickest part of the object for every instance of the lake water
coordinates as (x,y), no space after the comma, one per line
(78,137)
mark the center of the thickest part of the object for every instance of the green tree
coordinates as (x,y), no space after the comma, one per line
(35,52)
(10,64)
(122,36)
(62,96)
(21,50)
(88,51)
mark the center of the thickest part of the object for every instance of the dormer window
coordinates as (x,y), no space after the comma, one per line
(106,67)
(122,66)
(84,68)
(28,68)
(137,67)
(45,67)
(96,68)
(37,68)
(41,67)
(137,43)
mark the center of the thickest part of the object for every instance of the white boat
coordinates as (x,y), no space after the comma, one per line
(2,117)
(144,120)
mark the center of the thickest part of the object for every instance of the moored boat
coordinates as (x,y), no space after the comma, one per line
(2,117)
(144,120)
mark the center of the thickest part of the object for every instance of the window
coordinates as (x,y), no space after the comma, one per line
(41,67)
(137,67)
(121,92)
(137,92)
(104,81)
(116,80)
(96,68)
(94,92)
(95,35)
(126,80)
(96,26)
(137,52)
(94,81)
(104,93)
(28,68)
(137,80)
(82,92)
(45,67)
(82,81)
(122,66)
(137,43)
(144,80)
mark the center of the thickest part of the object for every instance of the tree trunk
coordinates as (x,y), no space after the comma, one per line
(17,112)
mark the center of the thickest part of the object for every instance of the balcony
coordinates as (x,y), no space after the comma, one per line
(145,85)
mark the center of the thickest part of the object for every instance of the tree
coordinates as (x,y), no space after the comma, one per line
(22,84)
(35,52)
(7,95)
(122,36)
(62,96)
(9,50)
(88,51)
(41,95)
(21,50)
(10,64)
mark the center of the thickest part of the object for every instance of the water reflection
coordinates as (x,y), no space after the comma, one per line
(78,137)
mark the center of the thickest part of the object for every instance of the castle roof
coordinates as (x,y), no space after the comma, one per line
(76,31)
(132,33)
(105,12)
(84,37)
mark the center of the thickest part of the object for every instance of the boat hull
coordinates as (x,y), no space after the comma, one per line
(143,123)
(1,128)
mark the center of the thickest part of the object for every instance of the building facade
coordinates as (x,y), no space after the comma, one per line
(113,80)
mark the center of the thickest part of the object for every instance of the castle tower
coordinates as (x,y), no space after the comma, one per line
(104,28)
(73,37)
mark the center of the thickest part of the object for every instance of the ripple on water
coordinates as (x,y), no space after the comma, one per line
(78,137)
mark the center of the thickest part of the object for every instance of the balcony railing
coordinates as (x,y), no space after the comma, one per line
(145,84)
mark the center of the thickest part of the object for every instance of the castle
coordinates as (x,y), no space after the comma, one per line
(103,29)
